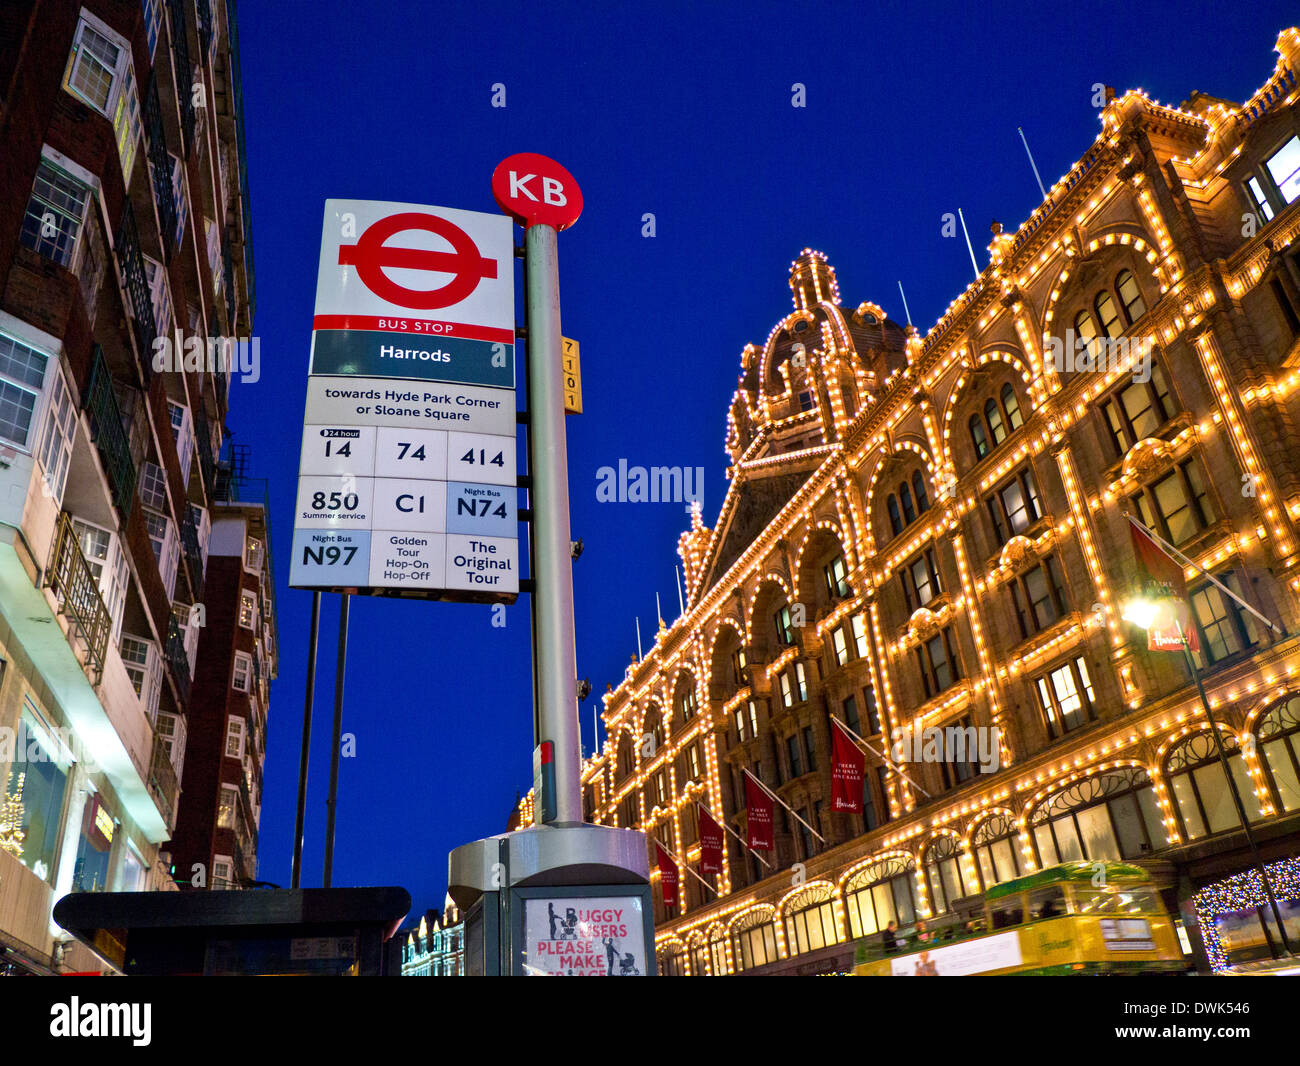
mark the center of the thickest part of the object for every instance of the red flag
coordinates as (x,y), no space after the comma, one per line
(848,764)
(759,819)
(710,842)
(1160,572)
(1163,584)
(667,876)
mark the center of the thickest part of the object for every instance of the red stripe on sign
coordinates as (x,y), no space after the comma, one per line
(426,327)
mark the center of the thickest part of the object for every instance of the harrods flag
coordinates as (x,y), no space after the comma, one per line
(848,765)
(667,876)
(710,842)
(759,819)
(1163,584)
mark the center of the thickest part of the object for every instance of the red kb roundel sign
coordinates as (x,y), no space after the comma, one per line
(536,190)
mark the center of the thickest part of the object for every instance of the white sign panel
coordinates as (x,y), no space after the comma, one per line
(600,936)
(956,960)
(407,479)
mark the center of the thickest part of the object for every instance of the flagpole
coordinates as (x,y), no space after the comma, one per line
(1174,553)
(685,865)
(1236,796)
(787,807)
(884,758)
(738,837)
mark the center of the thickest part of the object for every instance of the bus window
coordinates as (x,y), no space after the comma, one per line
(1006,913)
(1118,899)
(1047,902)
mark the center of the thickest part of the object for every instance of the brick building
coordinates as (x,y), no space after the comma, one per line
(221,804)
(927,530)
(123,222)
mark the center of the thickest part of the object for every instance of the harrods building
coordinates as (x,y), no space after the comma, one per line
(928,530)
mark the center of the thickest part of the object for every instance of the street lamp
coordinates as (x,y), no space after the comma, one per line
(1144,613)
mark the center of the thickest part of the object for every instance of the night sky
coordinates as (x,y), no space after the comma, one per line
(684,111)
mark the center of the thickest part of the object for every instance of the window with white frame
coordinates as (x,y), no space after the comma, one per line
(242,679)
(183,431)
(223,872)
(253,556)
(166,547)
(22,376)
(212,233)
(248,609)
(199,516)
(170,728)
(144,666)
(183,613)
(159,295)
(107,561)
(234,737)
(99,73)
(54,448)
(1276,183)
(179,198)
(55,213)
(153,486)
(229,804)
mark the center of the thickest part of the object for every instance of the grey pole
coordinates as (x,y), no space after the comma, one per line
(556,653)
(332,802)
(300,822)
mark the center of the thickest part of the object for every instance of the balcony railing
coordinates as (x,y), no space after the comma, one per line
(178,659)
(193,553)
(137,285)
(184,77)
(160,163)
(109,436)
(77,591)
(162,781)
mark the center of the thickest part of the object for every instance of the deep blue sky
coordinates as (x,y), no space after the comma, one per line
(683,110)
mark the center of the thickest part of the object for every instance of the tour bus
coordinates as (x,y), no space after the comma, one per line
(1075,918)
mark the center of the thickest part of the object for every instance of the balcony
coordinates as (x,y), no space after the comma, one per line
(203,439)
(109,437)
(181,61)
(131,263)
(163,785)
(193,553)
(78,596)
(160,165)
(178,660)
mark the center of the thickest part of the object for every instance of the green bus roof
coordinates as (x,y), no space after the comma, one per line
(1068,871)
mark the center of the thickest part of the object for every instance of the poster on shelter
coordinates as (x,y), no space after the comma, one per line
(600,936)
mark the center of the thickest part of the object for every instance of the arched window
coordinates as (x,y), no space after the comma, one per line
(1200,787)
(993,416)
(1012,406)
(1279,735)
(882,893)
(754,941)
(978,437)
(895,519)
(997,851)
(1107,816)
(624,756)
(1130,296)
(909,509)
(943,876)
(686,704)
(810,920)
(670,961)
(654,725)
(1084,327)
(1108,315)
(918,487)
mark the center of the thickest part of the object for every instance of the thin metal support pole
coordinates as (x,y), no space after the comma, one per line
(300,823)
(332,801)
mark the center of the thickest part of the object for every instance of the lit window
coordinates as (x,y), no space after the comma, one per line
(253,556)
(993,417)
(1015,506)
(1138,410)
(1108,315)
(1038,597)
(1225,627)
(229,804)
(235,738)
(841,645)
(94,68)
(1130,295)
(1284,168)
(1177,506)
(247,609)
(1012,406)
(836,573)
(859,625)
(1065,697)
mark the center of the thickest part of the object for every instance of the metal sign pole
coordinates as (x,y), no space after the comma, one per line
(299,824)
(556,654)
(332,801)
